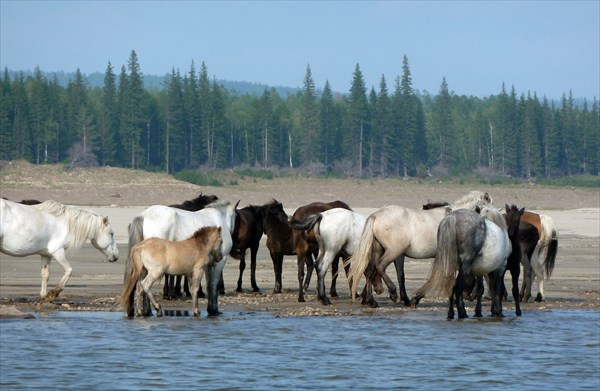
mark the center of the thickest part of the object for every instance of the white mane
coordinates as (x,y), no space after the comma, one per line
(472,199)
(82,223)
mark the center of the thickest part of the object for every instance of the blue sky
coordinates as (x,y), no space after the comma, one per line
(537,46)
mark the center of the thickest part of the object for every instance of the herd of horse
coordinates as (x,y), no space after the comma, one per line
(469,240)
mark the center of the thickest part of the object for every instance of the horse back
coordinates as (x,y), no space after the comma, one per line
(533,219)
(25,230)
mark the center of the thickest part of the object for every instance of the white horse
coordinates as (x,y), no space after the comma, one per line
(338,233)
(469,244)
(174,224)
(393,232)
(52,230)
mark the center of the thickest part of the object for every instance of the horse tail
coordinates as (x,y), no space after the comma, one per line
(361,257)
(307,223)
(550,236)
(136,235)
(130,280)
(446,263)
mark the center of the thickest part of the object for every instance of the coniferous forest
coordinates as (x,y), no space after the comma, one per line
(388,130)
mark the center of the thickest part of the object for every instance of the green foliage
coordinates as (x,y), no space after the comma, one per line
(255,173)
(574,180)
(198,178)
(192,121)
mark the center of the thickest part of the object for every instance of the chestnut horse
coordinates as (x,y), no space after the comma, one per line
(542,258)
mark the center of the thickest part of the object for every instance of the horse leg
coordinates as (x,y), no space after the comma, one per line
(310,266)
(45,276)
(166,288)
(459,287)
(479,294)
(195,279)
(381,266)
(242,268)
(139,298)
(496,281)
(335,266)
(526,285)
(277,259)
(322,265)
(221,284)
(253,253)
(538,271)
(177,290)
(147,287)
(367,294)
(399,265)
(60,257)
(515,270)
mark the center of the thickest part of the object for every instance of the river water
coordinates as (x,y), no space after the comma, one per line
(550,350)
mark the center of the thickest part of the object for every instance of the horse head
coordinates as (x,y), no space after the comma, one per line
(104,240)
(513,218)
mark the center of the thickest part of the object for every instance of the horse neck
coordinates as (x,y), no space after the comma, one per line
(82,226)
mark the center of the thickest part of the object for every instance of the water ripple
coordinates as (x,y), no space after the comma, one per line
(101,351)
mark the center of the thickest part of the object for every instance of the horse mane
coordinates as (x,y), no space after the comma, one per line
(434,204)
(494,215)
(202,233)
(220,204)
(195,204)
(81,223)
(472,199)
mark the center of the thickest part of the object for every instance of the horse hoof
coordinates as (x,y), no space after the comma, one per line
(407,302)
(333,294)
(325,301)
(239,290)
(373,303)
(518,312)
(394,298)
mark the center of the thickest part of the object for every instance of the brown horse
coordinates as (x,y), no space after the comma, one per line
(307,247)
(542,259)
(283,240)
(153,257)
(247,234)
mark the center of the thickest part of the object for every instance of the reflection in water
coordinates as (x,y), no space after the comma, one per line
(416,350)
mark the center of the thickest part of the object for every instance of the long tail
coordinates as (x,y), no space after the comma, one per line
(550,239)
(360,260)
(307,223)
(446,263)
(129,282)
(136,235)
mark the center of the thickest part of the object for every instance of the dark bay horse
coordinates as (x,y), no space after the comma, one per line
(247,234)
(283,240)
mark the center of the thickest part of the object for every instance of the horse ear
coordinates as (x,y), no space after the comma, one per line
(521,211)
(105,220)
(237,203)
(487,197)
(506,207)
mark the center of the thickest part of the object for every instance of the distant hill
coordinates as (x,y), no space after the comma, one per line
(96,79)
